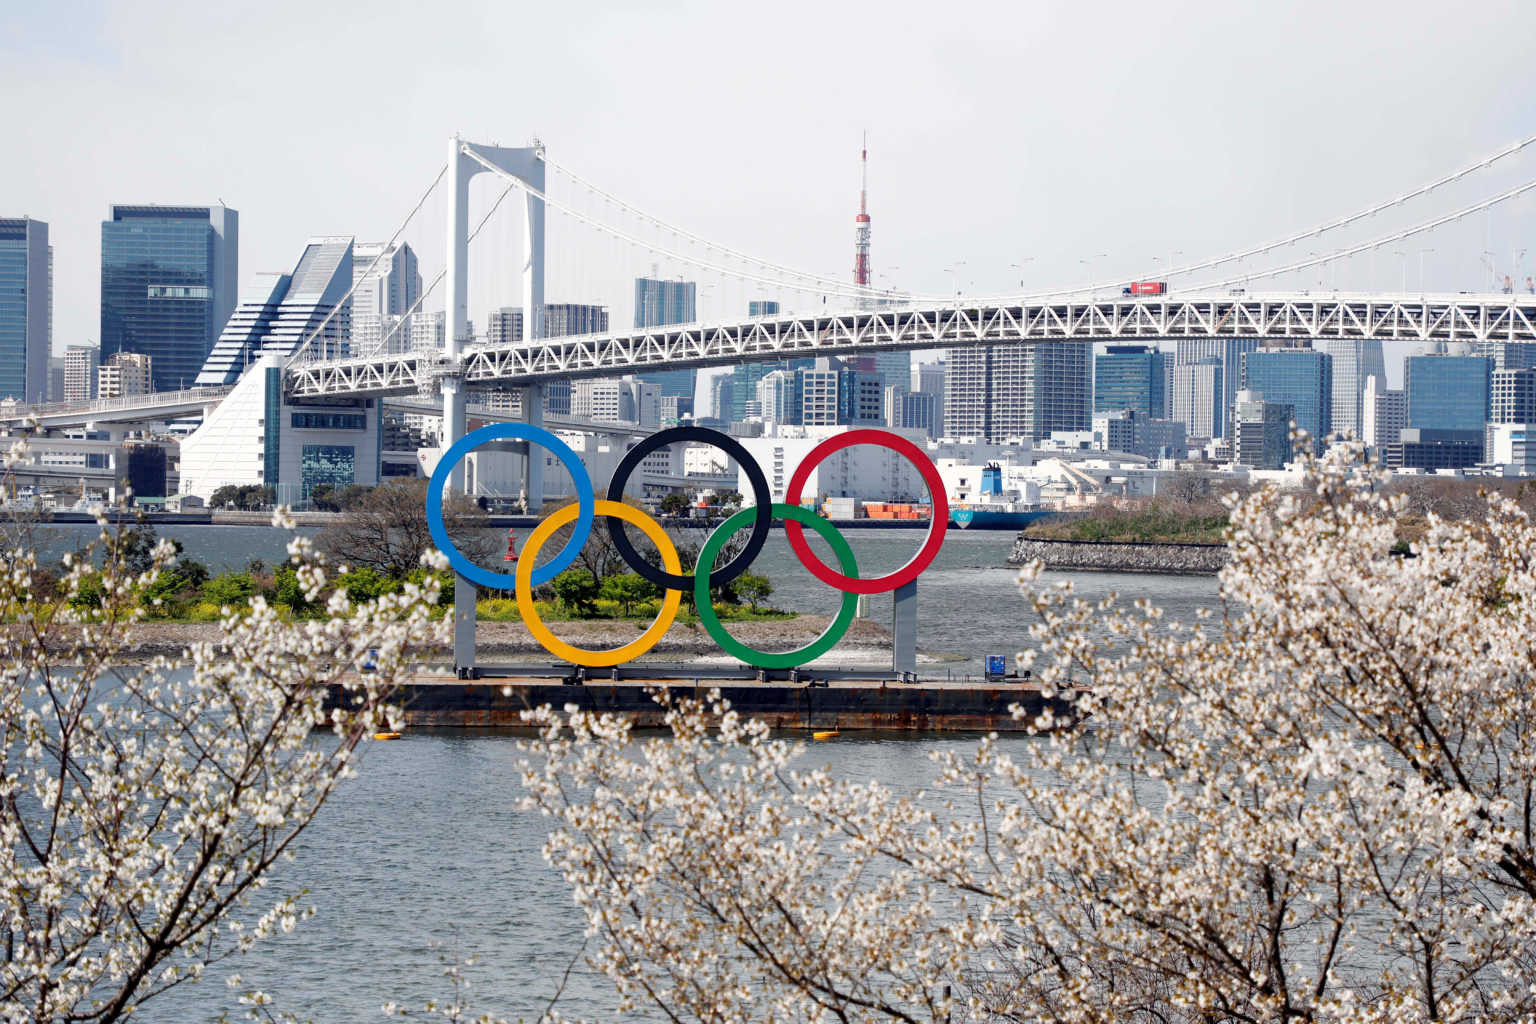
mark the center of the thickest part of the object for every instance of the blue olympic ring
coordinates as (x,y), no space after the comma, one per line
(585,498)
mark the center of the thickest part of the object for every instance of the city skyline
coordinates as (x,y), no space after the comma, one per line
(998,231)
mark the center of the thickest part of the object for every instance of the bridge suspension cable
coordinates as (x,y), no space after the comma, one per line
(818,279)
(357,279)
(835,285)
(405,318)
(839,288)
(1355,250)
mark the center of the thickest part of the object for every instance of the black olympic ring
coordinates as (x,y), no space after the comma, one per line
(760,524)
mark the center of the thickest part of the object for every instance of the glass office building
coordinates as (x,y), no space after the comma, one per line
(1130,377)
(1299,377)
(659,304)
(26,309)
(168,285)
(1447,392)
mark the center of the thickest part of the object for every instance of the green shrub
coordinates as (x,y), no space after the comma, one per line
(231,588)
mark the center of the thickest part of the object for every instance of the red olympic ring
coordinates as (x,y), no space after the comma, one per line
(936,526)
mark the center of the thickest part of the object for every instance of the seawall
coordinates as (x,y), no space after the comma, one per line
(1178,559)
(877,706)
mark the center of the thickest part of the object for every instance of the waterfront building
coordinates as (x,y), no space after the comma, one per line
(169,276)
(259,435)
(1121,430)
(1299,377)
(429,331)
(26,308)
(911,410)
(1228,352)
(1261,431)
(1384,414)
(124,374)
(504,326)
(745,378)
(617,400)
(1165,439)
(659,304)
(280,312)
(1431,449)
(997,392)
(779,398)
(863,472)
(928,379)
(389,287)
(674,409)
(1198,399)
(1507,355)
(563,319)
(80,362)
(1512,445)
(721,391)
(1512,396)
(762,307)
(1447,392)
(1130,377)
(1355,361)
(1448,400)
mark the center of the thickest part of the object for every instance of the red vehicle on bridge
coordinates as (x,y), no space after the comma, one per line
(1145,288)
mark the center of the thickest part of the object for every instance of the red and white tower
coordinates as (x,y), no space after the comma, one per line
(861,222)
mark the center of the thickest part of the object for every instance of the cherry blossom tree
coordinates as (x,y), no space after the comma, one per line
(1313,804)
(143,806)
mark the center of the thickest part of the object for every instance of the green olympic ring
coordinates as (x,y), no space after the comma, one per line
(751,655)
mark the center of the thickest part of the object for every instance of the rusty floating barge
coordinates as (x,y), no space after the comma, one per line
(870,700)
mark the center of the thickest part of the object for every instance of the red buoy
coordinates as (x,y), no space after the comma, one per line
(511,555)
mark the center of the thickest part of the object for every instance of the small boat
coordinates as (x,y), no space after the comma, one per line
(825,735)
(388,735)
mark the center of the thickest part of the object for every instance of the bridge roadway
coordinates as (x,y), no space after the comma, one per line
(1271,317)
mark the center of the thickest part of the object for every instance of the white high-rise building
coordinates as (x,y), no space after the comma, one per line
(124,374)
(80,363)
(1384,413)
(1355,361)
(1198,399)
(998,392)
(280,312)
(393,284)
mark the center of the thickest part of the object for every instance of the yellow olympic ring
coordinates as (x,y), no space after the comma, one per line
(577,655)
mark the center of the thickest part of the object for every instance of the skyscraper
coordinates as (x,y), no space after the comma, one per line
(1299,377)
(168,285)
(998,392)
(280,311)
(1229,352)
(1512,398)
(1130,377)
(80,362)
(504,326)
(1261,431)
(1355,360)
(1383,414)
(659,304)
(762,307)
(563,319)
(1447,392)
(930,381)
(392,287)
(1198,398)
(26,309)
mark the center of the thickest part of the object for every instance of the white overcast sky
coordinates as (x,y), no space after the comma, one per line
(1076,139)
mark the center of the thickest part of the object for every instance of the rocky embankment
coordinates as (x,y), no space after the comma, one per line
(511,639)
(1109,556)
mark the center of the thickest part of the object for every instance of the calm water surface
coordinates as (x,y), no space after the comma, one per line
(425,851)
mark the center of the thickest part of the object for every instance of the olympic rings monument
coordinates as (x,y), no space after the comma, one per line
(757,518)
(527,165)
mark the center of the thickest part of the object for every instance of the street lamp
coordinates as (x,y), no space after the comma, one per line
(1088,273)
(954,275)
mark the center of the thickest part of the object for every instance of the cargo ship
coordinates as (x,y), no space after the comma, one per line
(994,509)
